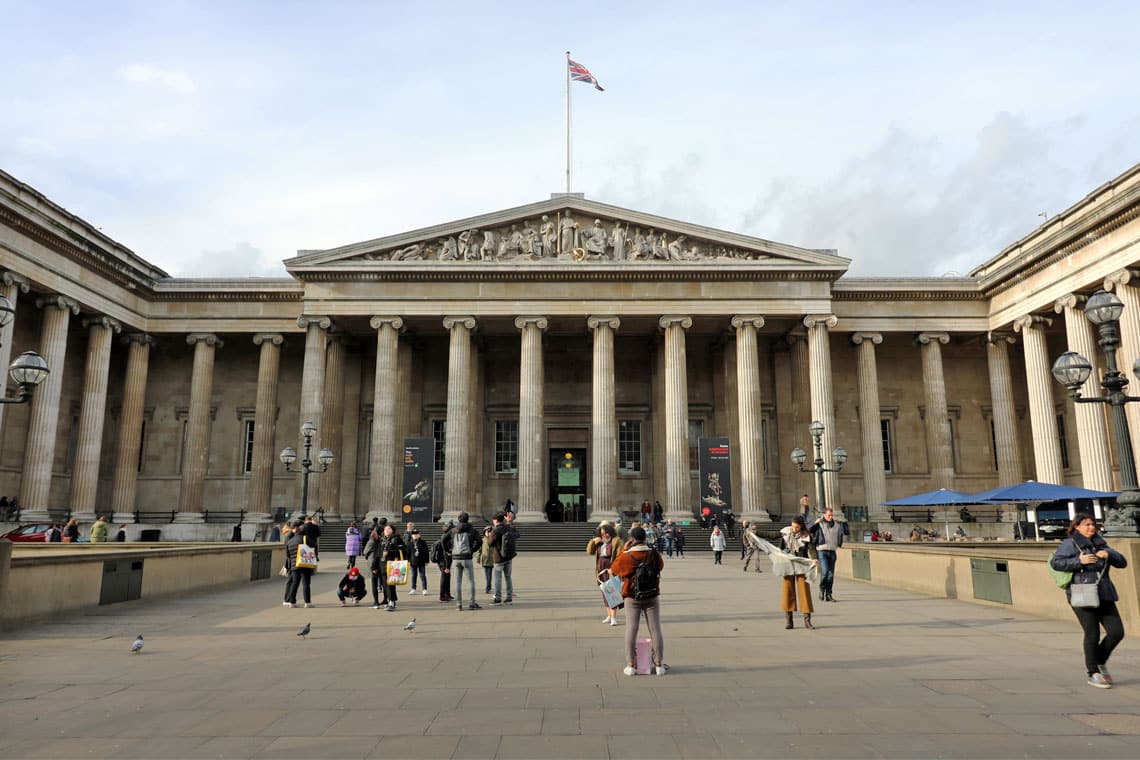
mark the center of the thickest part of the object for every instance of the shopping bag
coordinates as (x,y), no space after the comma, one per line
(397,572)
(644,660)
(611,591)
(306,556)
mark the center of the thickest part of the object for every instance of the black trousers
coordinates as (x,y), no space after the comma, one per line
(444,584)
(1098,650)
(301,577)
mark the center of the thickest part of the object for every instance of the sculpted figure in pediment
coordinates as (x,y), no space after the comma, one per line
(568,232)
(618,241)
(467,247)
(596,239)
(637,246)
(487,250)
(413,252)
(676,249)
(448,249)
(531,245)
(548,237)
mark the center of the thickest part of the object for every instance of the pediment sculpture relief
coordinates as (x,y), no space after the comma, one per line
(563,236)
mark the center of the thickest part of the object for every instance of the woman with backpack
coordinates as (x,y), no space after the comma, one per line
(639,566)
(1088,557)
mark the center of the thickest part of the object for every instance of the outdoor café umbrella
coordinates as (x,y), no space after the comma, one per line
(943,497)
(1034,492)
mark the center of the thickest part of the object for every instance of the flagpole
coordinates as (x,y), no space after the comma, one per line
(567,121)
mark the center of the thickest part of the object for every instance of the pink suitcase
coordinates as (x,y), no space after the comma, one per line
(644,658)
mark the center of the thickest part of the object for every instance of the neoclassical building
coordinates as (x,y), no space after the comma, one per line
(566,349)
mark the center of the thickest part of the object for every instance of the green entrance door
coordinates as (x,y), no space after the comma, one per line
(567,486)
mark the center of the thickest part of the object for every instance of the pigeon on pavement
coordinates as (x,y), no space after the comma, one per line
(138,645)
(411,626)
(305,631)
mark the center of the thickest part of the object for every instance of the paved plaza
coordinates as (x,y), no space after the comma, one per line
(886,674)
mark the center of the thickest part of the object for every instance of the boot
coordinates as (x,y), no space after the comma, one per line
(791,623)
(807,621)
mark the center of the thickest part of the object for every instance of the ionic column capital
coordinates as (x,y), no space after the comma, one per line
(208,338)
(740,320)
(595,321)
(19,280)
(675,320)
(465,321)
(58,301)
(378,321)
(143,339)
(1000,337)
(821,320)
(924,338)
(859,337)
(114,325)
(1031,321)
(311,319)
(276,339)
(540,322)
(1071,301)
(1121,277)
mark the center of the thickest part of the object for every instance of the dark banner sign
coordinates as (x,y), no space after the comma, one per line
(419,461)
(716,476)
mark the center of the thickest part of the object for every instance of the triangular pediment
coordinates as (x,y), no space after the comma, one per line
(567,229)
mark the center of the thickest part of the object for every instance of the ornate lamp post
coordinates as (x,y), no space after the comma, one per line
(289,456)
(838,458)
(29,369)
(1072,370)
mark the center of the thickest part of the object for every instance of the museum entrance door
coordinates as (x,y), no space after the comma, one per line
(567,501)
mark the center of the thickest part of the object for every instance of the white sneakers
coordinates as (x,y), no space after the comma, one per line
(662,670)
(630,670)
(613,621)
(606,619)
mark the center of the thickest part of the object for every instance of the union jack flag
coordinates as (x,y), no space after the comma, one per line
(580,73)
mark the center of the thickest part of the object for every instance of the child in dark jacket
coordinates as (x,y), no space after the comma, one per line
(418,555)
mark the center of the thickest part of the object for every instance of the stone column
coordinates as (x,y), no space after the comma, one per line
(939,446)
(196,458)
(532,433)
(92,414)
(385,464)
(332,413)
(457,447)
(1126,283)
(678,504)
(43,420)
(800,365)
(125,482)
(313,391)
(11,285)
(751,501)
(1042,416)
(822,399)
(1092,435)
(603,445)
(874,475)
(1004,414)
(260,500)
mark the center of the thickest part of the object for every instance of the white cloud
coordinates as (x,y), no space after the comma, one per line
(149,74)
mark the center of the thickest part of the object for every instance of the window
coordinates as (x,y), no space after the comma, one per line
(247,448)
(629,446)
(888,445)
(696,432)
(439,434)
(764,443)
(507,447)
(953,445)
(1062,440)
(182,447)
(142,445)
(993,442)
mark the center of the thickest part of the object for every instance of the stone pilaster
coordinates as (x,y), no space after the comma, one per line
(313,390)
(124,485)
(44,416)
(800,366)
(1004,414)
(1126,284)
(1039,381)
(384,466)
(332,414)
(604,447)
(532,433)
(11,285)
(751,500)
(939,446)
(822,398)
(678,486)
(874,474)
(458,445)
(92,415)
(260,498)
(196,457)
(1092,434)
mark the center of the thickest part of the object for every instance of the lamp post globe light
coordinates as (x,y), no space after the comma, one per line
(1103,309)
(838,458)
(324,458)
(28,370)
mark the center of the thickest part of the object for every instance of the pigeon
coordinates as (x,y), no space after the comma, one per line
(138,645)
(305,631)
(411,626)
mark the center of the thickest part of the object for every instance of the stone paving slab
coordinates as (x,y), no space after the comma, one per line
(886,674)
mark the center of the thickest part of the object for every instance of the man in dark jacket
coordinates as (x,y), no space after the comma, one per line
(503,543)
(461,545)
(441,556)
(827,535)
(298,576)
(312,531)
(418,559)
(351,585)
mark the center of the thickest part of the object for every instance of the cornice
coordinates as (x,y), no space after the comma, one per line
(907,289)
(277,289)
(541,272)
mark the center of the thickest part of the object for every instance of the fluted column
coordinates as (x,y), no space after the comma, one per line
(1004,414)
(457,447)
(260,499)
(678,504)
(92,415)
(939,446)
(1092,435)
(874,474)
(124,485)
(1039,381)
(604,446)
(332,414)
(385,463)
(44,416)
(751,456)
(822,397)
(313,389)
(531,415)
(1126,283)
(196,458)
(11,285)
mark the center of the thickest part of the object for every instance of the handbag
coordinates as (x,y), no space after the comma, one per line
(1086,595)
(397,572)
(611,590)
(1063,578)
(306,555)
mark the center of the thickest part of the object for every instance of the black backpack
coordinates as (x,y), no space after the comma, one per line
(437,552)
(646,578)
(508,546)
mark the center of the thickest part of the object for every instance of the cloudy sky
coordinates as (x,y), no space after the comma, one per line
(217,138)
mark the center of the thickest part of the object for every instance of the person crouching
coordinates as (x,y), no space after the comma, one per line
(351,586)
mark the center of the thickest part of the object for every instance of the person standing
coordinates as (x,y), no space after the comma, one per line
(679,542)
(275,533)
(441,556)
(71,531)
(751,553)
(744,525)
(486,557)
(796,592)
(504,547)
(417,559)
(828,534)
(310,530)
(390,549)
(717,542)
(604,547)
(461,545)
(640,567)
(805,508)
(351,545)
(99,530)
(1088,557)
(298,576)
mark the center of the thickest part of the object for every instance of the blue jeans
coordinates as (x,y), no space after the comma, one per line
(459,568)
(502,570)
(487,572)
(826,571)
(421,573)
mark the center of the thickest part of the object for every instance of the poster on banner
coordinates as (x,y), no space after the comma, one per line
(419,464)
(716,477)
